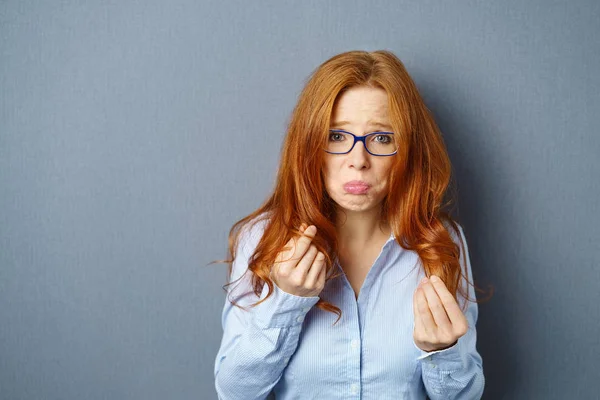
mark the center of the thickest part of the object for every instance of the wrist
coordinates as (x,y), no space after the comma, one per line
(447,347)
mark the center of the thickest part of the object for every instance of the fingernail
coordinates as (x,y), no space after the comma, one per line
(311,229)
(434,278)
(424,280)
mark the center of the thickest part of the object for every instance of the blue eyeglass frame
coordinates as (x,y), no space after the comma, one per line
(362,139)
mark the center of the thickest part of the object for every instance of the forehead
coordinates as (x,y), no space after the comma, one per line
(362,105)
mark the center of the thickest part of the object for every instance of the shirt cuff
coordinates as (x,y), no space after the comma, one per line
(282,309)
(425,354)
(451,358)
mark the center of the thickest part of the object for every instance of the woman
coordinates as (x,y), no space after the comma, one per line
(349,280)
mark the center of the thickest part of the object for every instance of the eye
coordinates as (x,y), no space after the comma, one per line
(336,137)
(383,139)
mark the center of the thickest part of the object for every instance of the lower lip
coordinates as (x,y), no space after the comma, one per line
(356,189)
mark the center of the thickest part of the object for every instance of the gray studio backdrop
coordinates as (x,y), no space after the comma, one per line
(133,134)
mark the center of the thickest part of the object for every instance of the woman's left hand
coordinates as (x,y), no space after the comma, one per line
(439,321)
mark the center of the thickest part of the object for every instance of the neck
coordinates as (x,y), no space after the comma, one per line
(361,229)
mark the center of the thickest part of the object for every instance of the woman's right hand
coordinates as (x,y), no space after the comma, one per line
(300,269)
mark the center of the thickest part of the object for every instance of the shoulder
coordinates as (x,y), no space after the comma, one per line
(458,236)
(251,233)
(249,237)
(455,230)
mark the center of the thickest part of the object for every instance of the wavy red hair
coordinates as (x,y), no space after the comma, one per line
(416,206)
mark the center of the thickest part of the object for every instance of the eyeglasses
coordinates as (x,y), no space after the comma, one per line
(376,143)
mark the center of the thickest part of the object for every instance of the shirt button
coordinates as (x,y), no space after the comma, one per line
(354,343)
(354,388)
(300,318)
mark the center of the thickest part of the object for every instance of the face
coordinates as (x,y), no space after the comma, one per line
(358,181)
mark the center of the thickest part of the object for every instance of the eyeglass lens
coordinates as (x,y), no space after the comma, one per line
(377,143)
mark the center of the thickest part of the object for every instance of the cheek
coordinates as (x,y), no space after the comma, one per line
(329,170)
(384,175)
(325,175)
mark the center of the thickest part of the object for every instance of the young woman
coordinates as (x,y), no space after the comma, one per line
(351,281)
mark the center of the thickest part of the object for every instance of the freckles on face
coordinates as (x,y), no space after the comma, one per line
(357,180)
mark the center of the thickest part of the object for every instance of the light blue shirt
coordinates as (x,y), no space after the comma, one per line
(287,346)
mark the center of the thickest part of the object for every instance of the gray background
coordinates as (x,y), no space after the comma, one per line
(133,134)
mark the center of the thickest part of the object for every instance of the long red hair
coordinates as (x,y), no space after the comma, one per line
(416,206)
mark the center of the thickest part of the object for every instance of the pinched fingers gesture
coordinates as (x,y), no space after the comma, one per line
(299,268)
(439,321)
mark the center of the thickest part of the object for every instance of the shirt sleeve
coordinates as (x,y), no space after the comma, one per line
(456,372)
(257,342)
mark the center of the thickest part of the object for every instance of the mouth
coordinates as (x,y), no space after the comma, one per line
(356,187)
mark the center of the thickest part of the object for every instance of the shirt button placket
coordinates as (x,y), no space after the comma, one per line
(354,350)
(355,345)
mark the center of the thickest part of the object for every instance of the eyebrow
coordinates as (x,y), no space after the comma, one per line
(370,123)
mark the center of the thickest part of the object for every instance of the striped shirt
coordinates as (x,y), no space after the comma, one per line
(287,346)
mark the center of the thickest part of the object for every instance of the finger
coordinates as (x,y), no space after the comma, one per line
(453,311)
(294,250)
(435,306)
(427,320)
(288,252)
(303,243)
(314,273)
(301,270)
(415,309)
(417,314)
(322,275)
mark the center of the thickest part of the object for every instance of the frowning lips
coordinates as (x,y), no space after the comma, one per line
(356,187)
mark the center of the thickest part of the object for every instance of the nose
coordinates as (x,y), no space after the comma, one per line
(359,157)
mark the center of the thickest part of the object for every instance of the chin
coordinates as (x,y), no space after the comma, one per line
(356,206)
